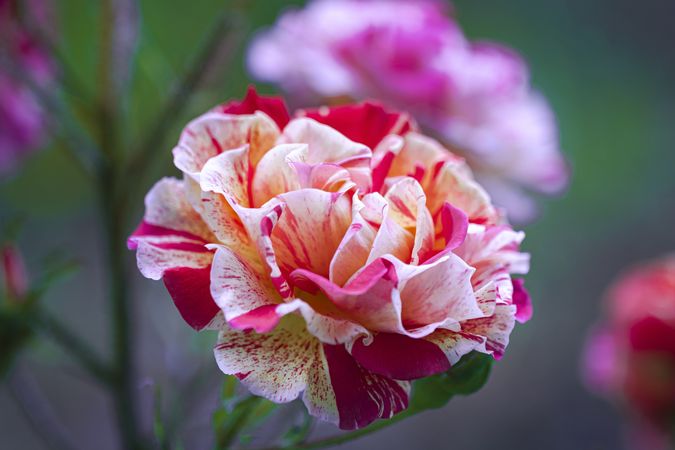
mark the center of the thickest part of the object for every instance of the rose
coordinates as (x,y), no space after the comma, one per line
(474,96)
(632,354)
(340,254)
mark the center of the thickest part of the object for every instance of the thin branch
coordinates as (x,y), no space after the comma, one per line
(151,146)
(45,323)
(37,410)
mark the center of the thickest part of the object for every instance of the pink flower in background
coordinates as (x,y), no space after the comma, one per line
(340,254)
(14,274)
(22,119)
(475,97)
(631,356)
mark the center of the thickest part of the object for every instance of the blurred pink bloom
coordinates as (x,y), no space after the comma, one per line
(22,119)
(14,273)
(475,97)
(632,356)
(340,253)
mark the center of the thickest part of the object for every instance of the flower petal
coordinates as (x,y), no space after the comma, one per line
(326,145)
(242,292)
(274,107)
(361,396)
(400,357)
(310,229)
(367,123)
(214,133)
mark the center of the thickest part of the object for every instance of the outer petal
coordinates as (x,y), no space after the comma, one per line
(242,292)
(274,107)
(361,396)
(367,123)
(281,364)
(171,243)
(496,329)
(213,133)
(400,357)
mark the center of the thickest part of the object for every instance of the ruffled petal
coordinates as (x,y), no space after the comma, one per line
(310,229)
(408,208)
(247,297)
(171,243)
(326,145)
(214,133)
(287,361)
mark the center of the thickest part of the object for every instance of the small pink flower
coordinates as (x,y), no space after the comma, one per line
(22,118)
(632,356)
(340,253)
(476,97)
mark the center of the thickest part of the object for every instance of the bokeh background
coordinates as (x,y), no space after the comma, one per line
(608,69)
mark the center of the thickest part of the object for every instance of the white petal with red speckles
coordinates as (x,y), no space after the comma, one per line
(214,133)
(325,145)
(237,287)
(408,208)
(310,229)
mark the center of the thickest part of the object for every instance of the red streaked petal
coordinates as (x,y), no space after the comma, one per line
(361,396)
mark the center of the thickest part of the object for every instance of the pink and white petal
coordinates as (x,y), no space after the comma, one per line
(274,365)
(326,145)
(455,344)
(329,330)
(400,357)
(228,174)
(242,292)
(274,174)
(522,300)
(450,183)
(437,292)
(170,217)
(495,328)
(227,226)
(454,226)
(310,229)
(353,251)
(408,208)
(326,176)
(189,289)
(259,223)
(361,396)
(493,248)
(370,298)
(418,151)
(383,157)
(214,133)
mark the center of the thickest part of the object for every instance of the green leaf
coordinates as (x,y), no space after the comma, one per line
(466,377)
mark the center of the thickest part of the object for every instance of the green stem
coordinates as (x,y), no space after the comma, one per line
(79,349)
(224,440)
(113,217)
(351,436)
